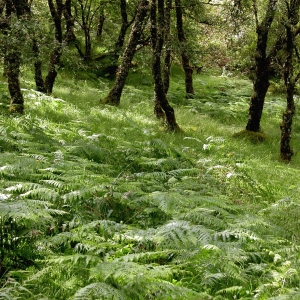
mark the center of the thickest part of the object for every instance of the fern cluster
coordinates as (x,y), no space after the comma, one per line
(89,212)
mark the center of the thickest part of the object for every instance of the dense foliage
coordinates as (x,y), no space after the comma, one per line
(99,203)
(104,202)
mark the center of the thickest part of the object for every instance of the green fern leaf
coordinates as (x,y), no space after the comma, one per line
(101,291)
(181,235)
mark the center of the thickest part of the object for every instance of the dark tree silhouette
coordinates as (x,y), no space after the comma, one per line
(188,70)
(168,51)
(262,67)
(12,57)
(161,104)
(115,93)
(290,79)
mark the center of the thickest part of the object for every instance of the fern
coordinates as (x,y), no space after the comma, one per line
(181,235)
(161,290)
(32,210)
(122,273)
(101,291)
(206,217)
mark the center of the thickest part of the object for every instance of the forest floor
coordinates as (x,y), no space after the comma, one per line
(100,202)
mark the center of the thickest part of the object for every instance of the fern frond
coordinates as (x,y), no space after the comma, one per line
(60,185)
(14,290)
(165,201)
(161,257)
(32,210)
(41,193)
(122,273)
(84,193)
(206,217)
(233,291)
(75,259)
(287,294)
(160,176)
(8,144)
(39,157)
(236,234)
(213,279)
(184,172)
(105,228)
(181,235)
(101,291)
(143,288)
(22,187)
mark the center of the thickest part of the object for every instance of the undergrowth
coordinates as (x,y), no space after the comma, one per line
(100,202)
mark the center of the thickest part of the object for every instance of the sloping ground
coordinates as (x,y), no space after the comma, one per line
(101,203)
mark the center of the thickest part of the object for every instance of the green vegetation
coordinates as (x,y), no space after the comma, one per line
(99,202)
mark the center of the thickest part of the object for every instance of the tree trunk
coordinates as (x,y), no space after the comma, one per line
(188,70)
(56,53)
(13,60)
(262,65)
(86,16)
(71,38)
(125,24)
(13,55)
(160,98)
(113,98)
(54,63)
(286,152)
(88,43)
(158,111)
(260,88)
(100,25)
(38,76)
(167,60)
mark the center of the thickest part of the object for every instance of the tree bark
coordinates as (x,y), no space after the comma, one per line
(160,99)
(38,76)
(100,25)
(71,37)
(188,70)
(262,66)
(167,59)
(13,60)
(13,54)
(113,98)
(125,24)
(158,111)
(56,53)
(290,80)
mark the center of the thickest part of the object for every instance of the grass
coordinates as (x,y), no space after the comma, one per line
(201,214)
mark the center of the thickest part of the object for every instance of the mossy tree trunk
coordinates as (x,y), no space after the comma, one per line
(160,98)
(188,70)
(121,37)
(262,66)
(13,60)
(290,80)
(114,96)
(13,51)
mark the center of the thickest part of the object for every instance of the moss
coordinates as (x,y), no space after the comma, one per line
(253,136)
(16,109)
